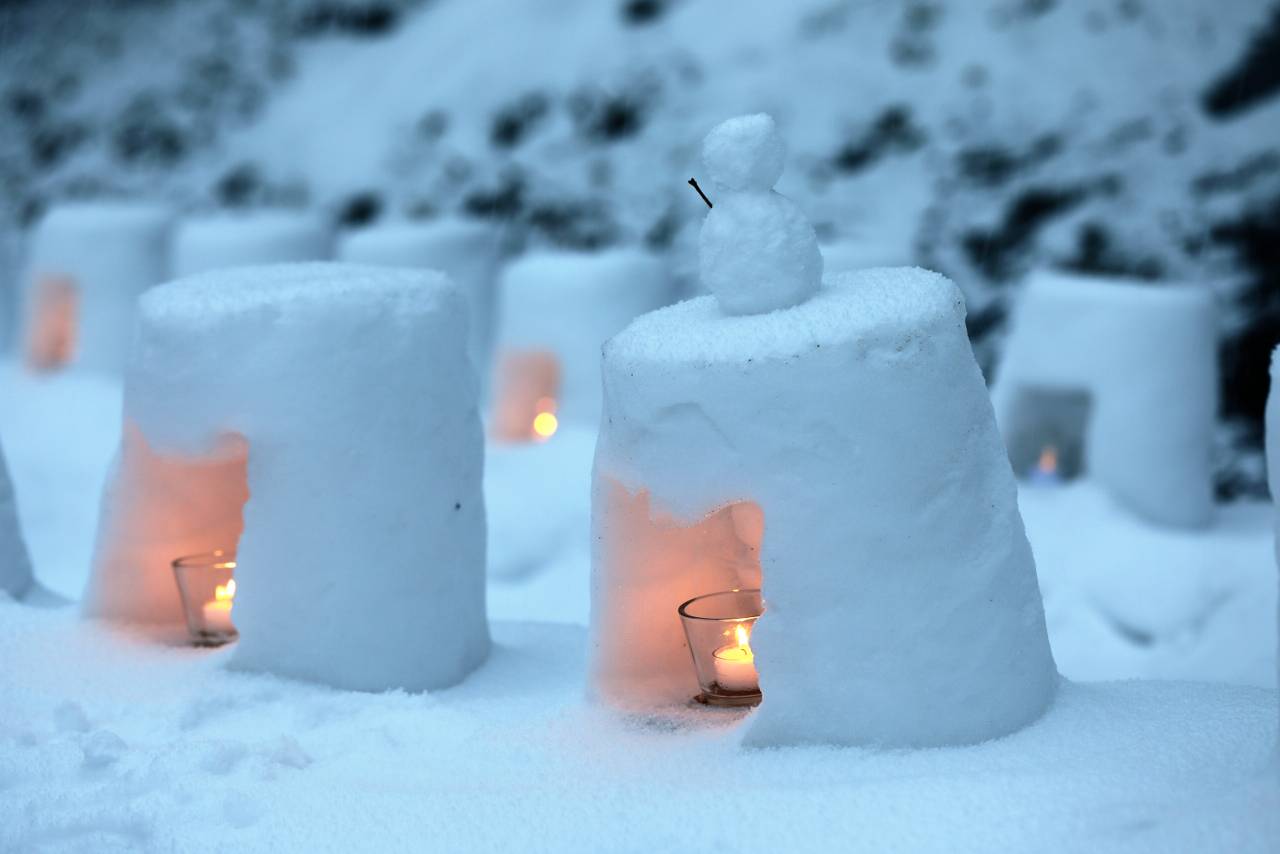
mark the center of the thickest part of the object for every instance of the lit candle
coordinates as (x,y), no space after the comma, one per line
(217,614)
(735,664)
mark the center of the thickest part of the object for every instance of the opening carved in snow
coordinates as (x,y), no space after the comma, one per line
(52,322)
(656,564)
(1047,432)
(527,396)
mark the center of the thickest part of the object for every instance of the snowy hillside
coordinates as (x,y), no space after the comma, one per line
(979,138)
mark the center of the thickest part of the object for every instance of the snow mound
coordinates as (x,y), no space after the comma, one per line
(757,251)
(1273,464)
(340,398)
(902,606)
(219,241)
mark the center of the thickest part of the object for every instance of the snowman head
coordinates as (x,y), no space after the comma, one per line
(758,252)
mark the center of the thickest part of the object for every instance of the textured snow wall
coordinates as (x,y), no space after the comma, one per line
(568,304)
(902,606)
(467,251)
(219,241)
(105,255)
(1273,477)
(15,564)
(1146,358)
(348,392)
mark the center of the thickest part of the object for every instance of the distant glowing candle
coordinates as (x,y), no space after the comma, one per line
(217,614)
(735,664)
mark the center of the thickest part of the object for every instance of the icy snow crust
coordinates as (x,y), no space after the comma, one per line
(15,564)
(902,602)
(221,241)
(361,563)
(111,253)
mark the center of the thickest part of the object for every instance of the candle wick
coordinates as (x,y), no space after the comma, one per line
(693,182)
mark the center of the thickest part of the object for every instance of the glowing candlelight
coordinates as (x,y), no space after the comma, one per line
(217,614)
(208,594)
(545,422)
(735,664)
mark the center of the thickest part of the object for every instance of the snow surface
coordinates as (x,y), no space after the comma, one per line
(1146,357)
(112,741)
(859,422)
(757,251)
(361,563)
(110,252)
(241,239)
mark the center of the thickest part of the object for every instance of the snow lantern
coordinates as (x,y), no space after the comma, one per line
(245,239)
(86,265)
(1117,379)
(15,564)
(1273,469)
(465,250)
(556,310)
(832,444)
(340,399)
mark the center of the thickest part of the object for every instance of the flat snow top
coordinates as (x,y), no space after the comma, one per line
(1117,290)
(264,223)
(877,307)
(396,233)
(582,271)
(219,294)
(105,216)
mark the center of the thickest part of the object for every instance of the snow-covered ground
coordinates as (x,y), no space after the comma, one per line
(116,739)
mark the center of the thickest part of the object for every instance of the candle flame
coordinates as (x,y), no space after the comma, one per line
(742,636)
(545,422)
(225,592)
(1048,460)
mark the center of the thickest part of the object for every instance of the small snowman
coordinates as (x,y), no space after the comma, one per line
(757,253)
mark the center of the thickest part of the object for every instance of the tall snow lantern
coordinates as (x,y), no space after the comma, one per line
(1115,379)
(467,251)
(831,443)
(249,238)
(321,416)
(86,265)
(556,309)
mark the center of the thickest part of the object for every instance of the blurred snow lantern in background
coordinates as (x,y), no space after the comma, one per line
(852,253)
(249,238)
(466,250)
(86,265)
(361,563)
(556,309)
(15,564)
(1273,481)
(834,442)
(1117,380)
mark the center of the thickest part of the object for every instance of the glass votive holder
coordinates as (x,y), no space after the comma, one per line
(208,591)
(718,627)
